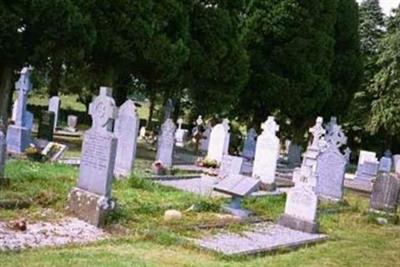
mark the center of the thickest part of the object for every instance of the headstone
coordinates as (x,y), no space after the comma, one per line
(385,164)
(54,151)
(90,200)
(204,142)
(46,125)
(19,134)
(168,109)
(347,154)
(180,134)
(294,155)
(331,166)
(72,122)
(335,135)
(199,121)
(367,167)
(165,147)
(230,165)
(237,186)
(249,148)
(301,209)
(126,130)
(385,193)
(366,156)
(142,133)
(396,160)
(219,142)
(267,154)
(54,106)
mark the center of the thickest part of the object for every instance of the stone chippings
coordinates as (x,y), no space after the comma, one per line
(262,237)
(42,234)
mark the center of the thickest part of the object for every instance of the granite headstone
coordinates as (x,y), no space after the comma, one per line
(165,146)
(385,193)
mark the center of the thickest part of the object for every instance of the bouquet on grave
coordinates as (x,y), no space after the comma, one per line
(33,153)
(158,167)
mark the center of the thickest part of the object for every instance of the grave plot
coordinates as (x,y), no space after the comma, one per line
(259,238)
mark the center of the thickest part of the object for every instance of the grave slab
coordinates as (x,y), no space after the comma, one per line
(260,238)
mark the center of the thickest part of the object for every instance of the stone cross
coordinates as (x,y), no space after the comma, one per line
(23,86)
(103,111)
(270,127)
(180,122)
(199,121)
(318,132)
(335,135)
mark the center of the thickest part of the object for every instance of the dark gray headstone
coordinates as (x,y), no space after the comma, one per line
(46,125)
(385,193)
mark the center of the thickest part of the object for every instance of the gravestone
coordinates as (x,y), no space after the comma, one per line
(301,209)
(366,156)
(180,134)
(165,146)
(168,109)
(385,164)
(237,186)
(126,130)
(19,134)
(294,155)
(142,133)
(267,154)
(385,193)
(396,160)
(91,199)
(46,125)
(219,142)
(54,106)
(347,154)
(72,122)
(230,165)
(54,151)
(204,142)
(334,134)
(367,167)
(331,167)
(249,148)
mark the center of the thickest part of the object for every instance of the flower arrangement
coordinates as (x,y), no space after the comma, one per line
(209,163)
(32,153)
(158,168)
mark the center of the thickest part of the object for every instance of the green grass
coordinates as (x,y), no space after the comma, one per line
(149,241)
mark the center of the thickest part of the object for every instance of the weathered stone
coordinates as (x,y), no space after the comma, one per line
(301,209)
(249,148)
(46,125)
(219,142)
(165,146)
(267,153)
(126,131)
(91,199)
(385,193)
(331,166)
(54,106)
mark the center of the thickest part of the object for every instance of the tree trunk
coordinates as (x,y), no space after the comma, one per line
(55,80)
(151,109)
(5,89)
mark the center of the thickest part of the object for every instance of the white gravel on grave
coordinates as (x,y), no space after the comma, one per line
(43,234)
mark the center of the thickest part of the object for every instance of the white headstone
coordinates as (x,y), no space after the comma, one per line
(142,133)
(366,156)
(180,134)
(249,147)
(54,106)
(267,152)
(230,165)
(126,130)
(72,122)
(301,203)
(165,147)
(396,159)
(219,142)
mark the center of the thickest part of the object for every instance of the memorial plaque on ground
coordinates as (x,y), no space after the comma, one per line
(301,209)
(385,193)
(54,151)
(230,165)
(331,165)
(46,125)
(237,185)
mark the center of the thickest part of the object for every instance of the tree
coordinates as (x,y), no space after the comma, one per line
(385,85)
(291,49)
(217,68)
(347,66)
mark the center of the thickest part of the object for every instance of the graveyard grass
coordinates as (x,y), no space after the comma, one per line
(141,238)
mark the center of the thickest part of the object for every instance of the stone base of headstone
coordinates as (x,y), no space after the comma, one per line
(18,139)
(71,130)
(268,187)
(298,224)
(235,209)
(89,207)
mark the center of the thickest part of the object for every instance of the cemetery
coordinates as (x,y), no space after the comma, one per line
(144,145)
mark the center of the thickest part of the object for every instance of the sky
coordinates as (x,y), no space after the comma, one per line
(387,5)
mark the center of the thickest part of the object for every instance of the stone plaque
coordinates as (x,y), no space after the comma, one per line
(54,151)
(331,166)
(126,131)
(237,185)
(46,125)
(165,146)
(230,165)
(385,193)
(219,142)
